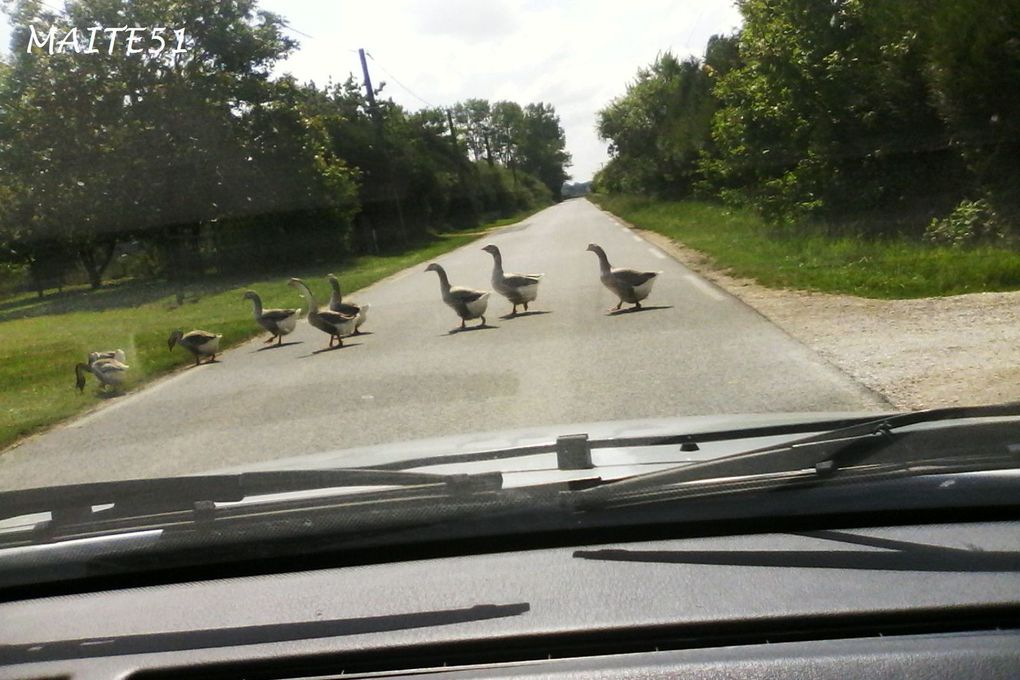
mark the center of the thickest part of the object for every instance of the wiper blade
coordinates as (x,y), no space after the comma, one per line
(825,453)
(74,503)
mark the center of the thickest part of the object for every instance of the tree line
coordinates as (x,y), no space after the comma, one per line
(878,118)
(203,161)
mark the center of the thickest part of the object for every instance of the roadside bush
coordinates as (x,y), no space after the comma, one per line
(970,223)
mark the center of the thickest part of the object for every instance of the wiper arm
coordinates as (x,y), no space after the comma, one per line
(824,453)
(148,496)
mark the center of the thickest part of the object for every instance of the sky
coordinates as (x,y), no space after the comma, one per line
(576,55)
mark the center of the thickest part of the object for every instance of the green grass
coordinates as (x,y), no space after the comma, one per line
(42,339)
(737,240)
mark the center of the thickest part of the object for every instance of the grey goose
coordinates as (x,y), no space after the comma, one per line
(467,302)
(336,324)
(279,322)
(199,343)
(629,285)
(519,289)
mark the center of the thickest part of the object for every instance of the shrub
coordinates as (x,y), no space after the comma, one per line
(970,223)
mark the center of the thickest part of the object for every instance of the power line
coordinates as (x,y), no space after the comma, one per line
(405,87)
(291,28)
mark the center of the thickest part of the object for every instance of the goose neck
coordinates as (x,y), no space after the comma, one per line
(497,258)
(444,281)
(313,307)
(256,303)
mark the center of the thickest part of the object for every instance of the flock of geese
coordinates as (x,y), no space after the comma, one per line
(344,318)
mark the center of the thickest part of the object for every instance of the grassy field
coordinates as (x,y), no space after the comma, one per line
(42,339)
(737,240)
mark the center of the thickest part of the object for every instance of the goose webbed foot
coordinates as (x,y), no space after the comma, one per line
(637,305)
(482,323)
(271,338)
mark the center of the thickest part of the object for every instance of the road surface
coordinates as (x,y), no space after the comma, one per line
(695,350)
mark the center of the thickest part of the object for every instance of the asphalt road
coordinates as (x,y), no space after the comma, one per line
(695,350)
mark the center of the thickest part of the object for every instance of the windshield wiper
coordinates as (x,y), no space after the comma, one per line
(824,454)
(136,497)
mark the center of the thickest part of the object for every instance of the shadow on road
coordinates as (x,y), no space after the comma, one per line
(330,349)
(631,310)
(522,314)
(282,344)
(455,331)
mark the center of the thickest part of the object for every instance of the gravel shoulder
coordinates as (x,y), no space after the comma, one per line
(922,353)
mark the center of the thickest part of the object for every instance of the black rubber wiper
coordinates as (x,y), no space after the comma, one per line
(824,454)
(135,497)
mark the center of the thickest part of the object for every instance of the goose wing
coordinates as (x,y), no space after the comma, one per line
(277,315)
(335,318)
(632,277)
(465,295)
(522,280)
(198,337)
(348,308)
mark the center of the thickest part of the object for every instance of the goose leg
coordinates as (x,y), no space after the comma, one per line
(637,305)
(279,340)
(482,323)
(463,323)
(617,307)
(339,341)
(271,338)
(525,306)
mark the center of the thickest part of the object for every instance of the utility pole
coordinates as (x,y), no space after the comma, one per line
(369,92)
(374,110)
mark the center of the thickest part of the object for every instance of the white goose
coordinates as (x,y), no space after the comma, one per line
(117,354)
(279,322)
(349,308)
(109,372)
(336,324)
(630,285)
(467,302)
(519,289)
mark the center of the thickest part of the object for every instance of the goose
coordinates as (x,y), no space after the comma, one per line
(109,372)
(519,289)
(279,322)
(337,324)
(467,302)
(199,343)
(629,285)
(117,354)
(337,304)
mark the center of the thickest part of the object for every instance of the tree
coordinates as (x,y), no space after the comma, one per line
(542,147)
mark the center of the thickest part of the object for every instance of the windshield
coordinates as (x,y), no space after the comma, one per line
(513,239)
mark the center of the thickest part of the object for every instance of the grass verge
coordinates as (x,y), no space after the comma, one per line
(737,240)
(42,340)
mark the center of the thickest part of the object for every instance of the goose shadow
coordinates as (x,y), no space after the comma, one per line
(110,395)
(455,331)
(631,310)
(330,349)
(282,344)
(519,315)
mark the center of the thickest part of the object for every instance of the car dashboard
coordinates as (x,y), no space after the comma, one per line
(931,600)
